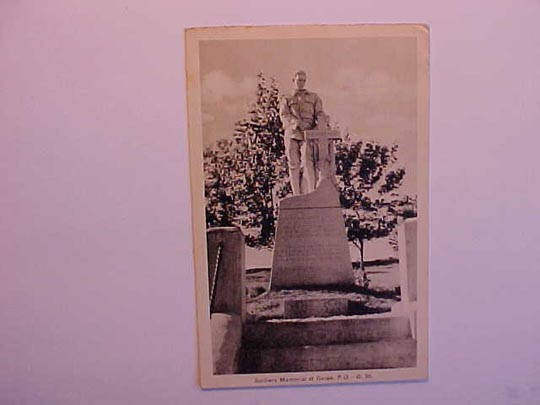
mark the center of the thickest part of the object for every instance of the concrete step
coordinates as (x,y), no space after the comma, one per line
(325,331)
(315,307)
(399,353)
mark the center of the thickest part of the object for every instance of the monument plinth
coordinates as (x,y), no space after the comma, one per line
(311,242)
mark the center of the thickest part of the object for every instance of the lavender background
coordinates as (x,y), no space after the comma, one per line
(96,282)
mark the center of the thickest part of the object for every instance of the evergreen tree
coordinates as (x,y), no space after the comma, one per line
(220,184)
(255,168)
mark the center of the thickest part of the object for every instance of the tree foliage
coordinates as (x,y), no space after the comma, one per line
(247,175)
(368,180)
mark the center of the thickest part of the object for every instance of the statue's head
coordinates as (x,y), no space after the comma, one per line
(299,79)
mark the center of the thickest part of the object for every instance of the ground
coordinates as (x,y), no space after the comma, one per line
(379,295)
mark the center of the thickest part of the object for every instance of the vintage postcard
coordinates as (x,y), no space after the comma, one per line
(309,182)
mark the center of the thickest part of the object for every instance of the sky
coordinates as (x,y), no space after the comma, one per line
(367,85)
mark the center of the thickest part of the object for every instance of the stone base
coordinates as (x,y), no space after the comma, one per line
(352,356)
(320,307)
(229,288)
(311,243)
(340,343)
(226,341)
(338,330)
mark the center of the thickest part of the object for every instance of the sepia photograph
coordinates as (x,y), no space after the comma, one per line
(309,182)
(269,202)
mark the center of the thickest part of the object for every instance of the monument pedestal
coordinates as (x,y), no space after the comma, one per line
(311,244)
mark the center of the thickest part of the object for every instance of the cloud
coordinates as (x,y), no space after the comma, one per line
(371,103)
(375,105)
(370,86)
(225,100)
(218,87)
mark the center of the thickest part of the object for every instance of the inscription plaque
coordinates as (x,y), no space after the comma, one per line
(311,244)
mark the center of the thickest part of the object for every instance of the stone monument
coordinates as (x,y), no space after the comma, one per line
(226,270)
(408,271)
(311,242)
(226,281)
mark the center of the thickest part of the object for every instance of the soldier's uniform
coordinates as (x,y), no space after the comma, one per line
(300,111)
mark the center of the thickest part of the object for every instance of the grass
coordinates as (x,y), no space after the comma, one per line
(379,296)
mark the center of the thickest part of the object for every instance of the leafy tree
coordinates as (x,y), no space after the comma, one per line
(368,179)
(220,168)
(247,175)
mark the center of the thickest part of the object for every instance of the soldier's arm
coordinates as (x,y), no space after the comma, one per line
(287,118)
(320,117)
(318,108)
